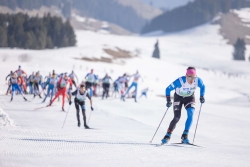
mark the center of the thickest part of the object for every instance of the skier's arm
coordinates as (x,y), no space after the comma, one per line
(23,72)
(90,100)
(86,76)
(172,86)
(7,77)
(72,94)
(76,78)
(202,87)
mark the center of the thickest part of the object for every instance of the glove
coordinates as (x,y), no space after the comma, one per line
(202,99)
(92,108)
(70,102)
(169,103)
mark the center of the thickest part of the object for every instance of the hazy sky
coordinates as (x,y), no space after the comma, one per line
(169,4)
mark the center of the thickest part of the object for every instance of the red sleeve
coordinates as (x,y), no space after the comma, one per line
(70,82)
(60,80)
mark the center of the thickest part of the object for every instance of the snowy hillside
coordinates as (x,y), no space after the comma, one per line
(166,4)
(122,130)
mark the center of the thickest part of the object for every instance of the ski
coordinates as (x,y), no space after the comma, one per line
(187,144)
(172,144)
(41,107)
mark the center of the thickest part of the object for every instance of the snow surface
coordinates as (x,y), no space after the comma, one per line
(123,129)
(244,14)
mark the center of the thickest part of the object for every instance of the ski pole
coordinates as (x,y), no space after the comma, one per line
(197,123)
(159,124)
(66,117)
(89,116)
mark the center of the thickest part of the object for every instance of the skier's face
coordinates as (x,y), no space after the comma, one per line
(191,78)
(82,89)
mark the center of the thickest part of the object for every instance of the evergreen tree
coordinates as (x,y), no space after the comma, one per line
(26,32)
(3,37)
(239,49)
(156,53)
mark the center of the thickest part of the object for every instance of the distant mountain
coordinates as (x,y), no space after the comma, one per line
(131,15)
(166,4)
(193,14)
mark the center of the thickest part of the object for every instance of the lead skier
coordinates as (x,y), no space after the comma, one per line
(80,96)
(185,87)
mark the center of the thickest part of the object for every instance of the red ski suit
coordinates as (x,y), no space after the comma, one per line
(62,88)
(19,74)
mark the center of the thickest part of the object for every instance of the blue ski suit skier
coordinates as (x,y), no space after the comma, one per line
(185,87)
(136,77)
(90,79)
(15,86)
(52,81)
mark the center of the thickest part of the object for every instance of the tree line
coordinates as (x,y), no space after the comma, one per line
(21,31)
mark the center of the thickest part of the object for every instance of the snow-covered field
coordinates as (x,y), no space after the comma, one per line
(123,129)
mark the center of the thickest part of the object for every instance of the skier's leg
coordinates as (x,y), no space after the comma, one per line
(136,85)
(104,90)
(129,89)
(19,89)
(63,99)
(107,91)
(84,116)
(8,89)
(56,96)
(177,115)
(13,91)
(52,93)
(74,82)
(77,114)
(190,112)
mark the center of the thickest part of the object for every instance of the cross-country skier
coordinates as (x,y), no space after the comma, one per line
(62,89)
(9,84)
(136,77)
(80,96)
(20,74)
(106,85)
(15,86)
(121,84)
(115,88)
(72,77)
(37,82)
(185,87)
(90,80)
(51,89)
(31,82)
(144,92)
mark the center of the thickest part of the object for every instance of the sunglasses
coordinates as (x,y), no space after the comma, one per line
(191,77)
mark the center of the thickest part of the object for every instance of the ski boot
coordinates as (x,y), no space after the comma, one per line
(184,137)
(166,139)
(78,124)
(86,127)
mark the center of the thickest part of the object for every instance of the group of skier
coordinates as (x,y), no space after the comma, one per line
(184,87)
(61,84)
